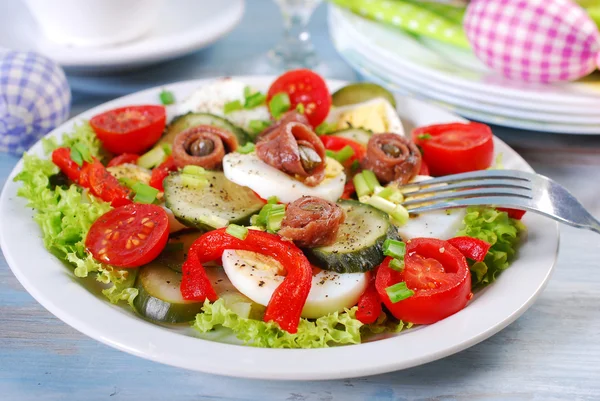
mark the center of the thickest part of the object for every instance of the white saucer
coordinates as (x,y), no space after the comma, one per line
(184,26)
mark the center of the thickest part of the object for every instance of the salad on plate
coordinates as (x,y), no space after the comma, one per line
(276,218)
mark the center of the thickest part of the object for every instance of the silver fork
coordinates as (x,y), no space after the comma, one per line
(502,188)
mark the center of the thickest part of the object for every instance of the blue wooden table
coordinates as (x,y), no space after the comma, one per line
(551,353)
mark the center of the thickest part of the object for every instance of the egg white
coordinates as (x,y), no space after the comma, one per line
(441,224)
(211,98)
(392,119)
(257,276)
(250,171)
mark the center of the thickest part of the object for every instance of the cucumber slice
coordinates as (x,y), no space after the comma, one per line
(188,120)
(213,206)
(176,250)
(361,92)
(359,135)
(359,244)
(159,297)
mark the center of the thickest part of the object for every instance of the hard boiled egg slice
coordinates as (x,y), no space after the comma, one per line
(376,115)
(211,98)
(257,276)
(250,171)
(441,224)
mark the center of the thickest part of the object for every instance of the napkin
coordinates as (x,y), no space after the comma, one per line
(34,99)
(437,21)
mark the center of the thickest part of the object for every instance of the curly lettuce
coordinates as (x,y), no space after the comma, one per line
(497,229)
(334,329)
(65,214)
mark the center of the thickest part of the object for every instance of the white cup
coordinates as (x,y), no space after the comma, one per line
(94,23)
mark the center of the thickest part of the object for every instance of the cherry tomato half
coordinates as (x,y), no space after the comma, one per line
(306,87)
(336,143)
(437,273)
(123,159)
(455,148)
(131,129)
(103,184)
(129,236)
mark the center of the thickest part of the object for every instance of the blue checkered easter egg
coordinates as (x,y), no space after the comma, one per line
(34,99)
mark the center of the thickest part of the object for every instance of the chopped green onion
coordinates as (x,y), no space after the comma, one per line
(273,200)
(424,137)
(128,182)
(397,212)
(341,155)
(398,292)
(254,220)
(232,106)
(236,231)
(400,215)
(194,170)
(324,128)
(360,184)
(168,148)
(275,218)
(395,249)
(153,157)
(76,156)
(144,193)
(254,100)
(263,215)
(247,91)
(355,165)
(194,181)
(279,104)
(300,108)
(397,264)
(392,194)
(371,180)
(248,147)
(167,97)
(258,126)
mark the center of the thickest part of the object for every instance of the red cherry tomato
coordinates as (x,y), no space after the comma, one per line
(161,172)
(437,273)
(305,87)
(123,159)
(349,190)
(424,168)
(336,143)
(61,157)
(103,184)
(131,129)
(129,236)
(455,148)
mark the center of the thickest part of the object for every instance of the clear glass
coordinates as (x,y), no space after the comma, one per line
(295,50)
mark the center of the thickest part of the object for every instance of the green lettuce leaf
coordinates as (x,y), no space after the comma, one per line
(385,324)
(66,214)
(333,329)
(497,229)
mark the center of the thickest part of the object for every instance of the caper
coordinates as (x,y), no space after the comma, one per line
(309,157)
(201,147)
(391,150)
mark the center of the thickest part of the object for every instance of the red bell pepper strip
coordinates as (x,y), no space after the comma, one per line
(123,159)
(369,303)
(472,248)
(289,298)
(349,190)
(92,176)
(161,172)
(512,213)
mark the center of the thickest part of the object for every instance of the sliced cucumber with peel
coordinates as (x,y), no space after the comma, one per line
(359,135)
(361,92)
(359,243)
(189,120)
(176,250)
(216,205)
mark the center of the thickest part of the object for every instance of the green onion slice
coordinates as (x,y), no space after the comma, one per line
(144,193)
(395,249)
(236,231)
(248,147)
(279,104)
(167,97)
(399,292)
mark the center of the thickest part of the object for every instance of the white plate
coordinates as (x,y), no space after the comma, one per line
(369,63)
(51,284)
(451,67)
(347,39)
(184,26)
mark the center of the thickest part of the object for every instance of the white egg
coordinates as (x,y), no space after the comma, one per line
(257,276)
(374,112)
(250,171)
(211,98)
(441,224)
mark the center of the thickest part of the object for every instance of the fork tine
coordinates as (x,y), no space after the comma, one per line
(469,185)
(501,201)
(473,193)
(474,175)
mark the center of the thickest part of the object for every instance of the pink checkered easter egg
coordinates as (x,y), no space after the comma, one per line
(534,40)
